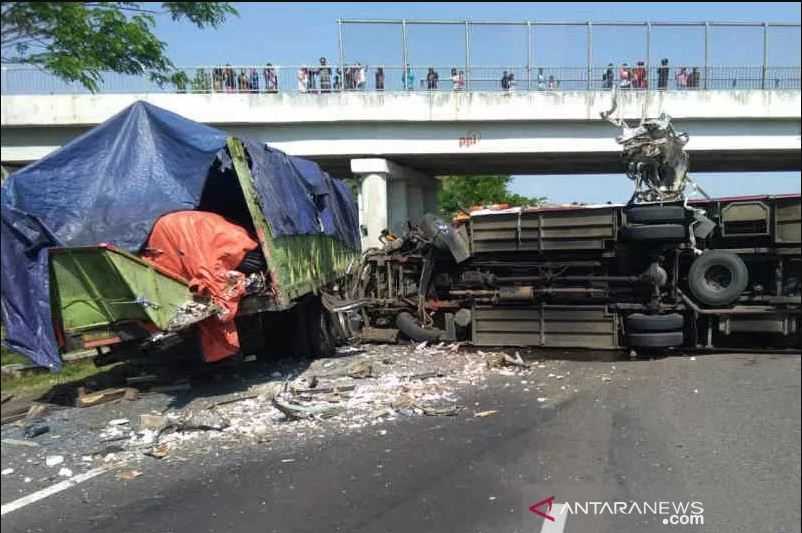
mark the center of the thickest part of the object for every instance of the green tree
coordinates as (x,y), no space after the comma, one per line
(462,192)
(77,41)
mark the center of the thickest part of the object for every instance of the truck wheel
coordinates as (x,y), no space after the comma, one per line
(410,327)
(718,278)
(656,214)
(664,339)
(655,232)
(638,322)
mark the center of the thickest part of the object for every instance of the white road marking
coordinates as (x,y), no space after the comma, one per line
(560,515)
(53,489)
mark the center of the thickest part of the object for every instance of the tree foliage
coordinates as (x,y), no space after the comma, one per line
(462,192)
(77,41)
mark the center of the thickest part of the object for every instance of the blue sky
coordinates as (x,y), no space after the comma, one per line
(296,33)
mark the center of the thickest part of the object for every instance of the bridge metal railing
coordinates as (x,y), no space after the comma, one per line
(317,79)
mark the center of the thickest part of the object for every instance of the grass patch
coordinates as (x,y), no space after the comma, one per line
(41,382)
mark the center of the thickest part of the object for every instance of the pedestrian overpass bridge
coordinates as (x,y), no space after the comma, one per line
(398,141)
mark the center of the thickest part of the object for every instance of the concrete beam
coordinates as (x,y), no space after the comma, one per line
(292,108)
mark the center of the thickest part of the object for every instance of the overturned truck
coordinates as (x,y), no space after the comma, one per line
(662,271)
(152,235)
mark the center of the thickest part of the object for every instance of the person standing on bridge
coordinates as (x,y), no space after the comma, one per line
(325,76)
(505,81)
(624,77)
(693,80)
(380,79)
(254,80)
(662,75)
(644,75)
(409,79)
(682,78)
(217,79)
(303,80)
(541,80)
(608,77)
(271,80)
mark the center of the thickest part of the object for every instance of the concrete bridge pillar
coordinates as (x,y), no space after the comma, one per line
(390,195)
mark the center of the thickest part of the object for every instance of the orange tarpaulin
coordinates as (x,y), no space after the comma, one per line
(204,249)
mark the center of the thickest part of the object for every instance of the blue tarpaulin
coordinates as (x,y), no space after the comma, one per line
(111,184)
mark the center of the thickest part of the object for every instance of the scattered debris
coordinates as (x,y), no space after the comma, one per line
(297,412)
(65,472)
(325,390)
(37,410)
(16,442)
(233,400)
(153,422)
(497,360)
(201,420)
(54,460)
(35,430)
(482,414)
(158,452)
(128,475)
(147,378)
(434,410)
(7,471)
(131,394)
(360,370)
(118,422)
(103,396)
(5,397)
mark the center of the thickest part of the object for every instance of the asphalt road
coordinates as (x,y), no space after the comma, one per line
(720,430)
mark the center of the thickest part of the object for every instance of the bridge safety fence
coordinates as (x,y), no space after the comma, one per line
(317,79)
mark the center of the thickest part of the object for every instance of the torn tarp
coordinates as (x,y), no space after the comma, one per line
(204,249)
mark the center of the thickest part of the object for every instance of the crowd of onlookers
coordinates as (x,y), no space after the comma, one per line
(324,78)
(637,77)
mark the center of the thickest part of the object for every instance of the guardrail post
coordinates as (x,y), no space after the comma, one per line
(528,55)
(649,77)
(467,56)
(590,52)
(707,47)
(404,56)
(340,51)
(765,55)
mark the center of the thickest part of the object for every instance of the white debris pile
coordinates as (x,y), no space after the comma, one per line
(363,386)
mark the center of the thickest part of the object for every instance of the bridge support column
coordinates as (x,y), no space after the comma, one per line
(389,196)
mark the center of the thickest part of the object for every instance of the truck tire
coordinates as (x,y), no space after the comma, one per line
(311,330)
(717,278)
(655,232)
(410,327)
(665,339)
(656,214)
(638,322)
